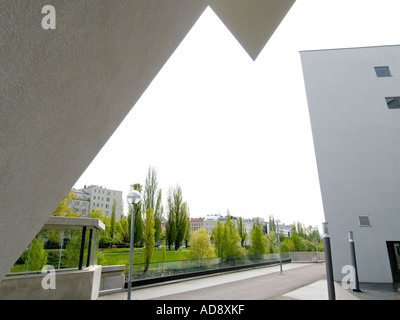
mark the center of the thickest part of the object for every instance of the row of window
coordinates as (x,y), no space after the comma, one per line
(102,191)
(384,72)
(100,205)
(102,198)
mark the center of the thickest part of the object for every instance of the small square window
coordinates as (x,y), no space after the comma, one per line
(393,102)
(364,221)
(382,72)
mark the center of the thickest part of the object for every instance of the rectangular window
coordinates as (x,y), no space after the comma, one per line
(364,221)
(393,102)
(382,72)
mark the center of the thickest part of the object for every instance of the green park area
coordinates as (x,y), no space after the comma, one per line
(120,256)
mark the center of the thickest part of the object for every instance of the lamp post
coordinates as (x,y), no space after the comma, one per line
(328,261)
(354,261)
(279,245)
(133,198)
(316,243)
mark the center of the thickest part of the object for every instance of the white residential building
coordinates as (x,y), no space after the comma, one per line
(210,222)
(101,199)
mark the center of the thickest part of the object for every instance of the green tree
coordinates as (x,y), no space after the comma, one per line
(287,245)
(258,246)
(296,241)
(148,237)
(64,209)
(71,253)
(150,189)
(104,235)
(112,221)
(200,244)
(242,231)
(177,218)
(271,224)
(37,256)
(182,224)
(227,239)
(124,229)
(163,254)
(158,214)
(272,242)
(170,226)
(218,236)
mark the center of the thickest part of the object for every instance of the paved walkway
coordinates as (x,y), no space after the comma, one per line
(299,281)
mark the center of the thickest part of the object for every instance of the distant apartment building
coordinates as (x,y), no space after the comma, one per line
(196,223)
(95,197)
(210,222)
(81,203)
(286,230)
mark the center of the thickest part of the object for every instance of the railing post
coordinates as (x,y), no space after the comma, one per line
(82,248)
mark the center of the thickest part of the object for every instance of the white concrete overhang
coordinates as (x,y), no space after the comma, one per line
(61,223)
(81,80)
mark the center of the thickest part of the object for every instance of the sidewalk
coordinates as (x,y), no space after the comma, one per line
(298,281)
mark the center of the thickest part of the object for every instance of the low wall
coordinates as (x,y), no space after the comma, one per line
(307,256)
(69,285)
(112,277)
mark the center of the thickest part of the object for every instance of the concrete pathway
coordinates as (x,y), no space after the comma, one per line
(298,281)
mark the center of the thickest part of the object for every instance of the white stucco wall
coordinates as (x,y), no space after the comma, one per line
(357,139)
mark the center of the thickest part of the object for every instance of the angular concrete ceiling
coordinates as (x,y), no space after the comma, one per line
(252,22)
(64,92)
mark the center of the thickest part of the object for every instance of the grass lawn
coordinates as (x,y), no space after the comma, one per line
(121,256)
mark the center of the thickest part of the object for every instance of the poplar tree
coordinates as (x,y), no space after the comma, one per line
(158,214)
(113,218)
(148,237)
(258,246)
(152,198)
(177,217)
(150,189)
(242,231)
(227,239)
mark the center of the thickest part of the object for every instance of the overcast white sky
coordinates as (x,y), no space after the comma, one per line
(234,133)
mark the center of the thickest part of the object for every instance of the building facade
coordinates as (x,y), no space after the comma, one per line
(196,223)
(210,222)
(353,99)
(81,203)
(96,197)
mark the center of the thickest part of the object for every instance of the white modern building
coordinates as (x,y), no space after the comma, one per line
(353,98)
(100,199)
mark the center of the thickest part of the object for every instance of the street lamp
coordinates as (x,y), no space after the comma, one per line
(279,244)
(354,261)
(133,198)
(316,243)
(328,261)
